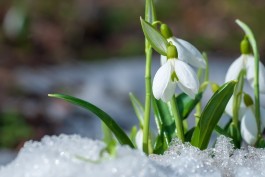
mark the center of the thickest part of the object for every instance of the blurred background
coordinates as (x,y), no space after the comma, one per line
(94,49)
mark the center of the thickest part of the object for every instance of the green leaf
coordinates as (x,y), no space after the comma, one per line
(138,108)
(109,121)
(166,118)
(157,41)
(187,104)
(161,144)
(213,112)
(133,134)
(260,143)
(150,15)
(234,132)
(108,139)
(221,131)
(195,140)
(189,134)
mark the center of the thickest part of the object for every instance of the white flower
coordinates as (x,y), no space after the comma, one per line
(246,62)
(186,52)
(139,139)
(174,72)
(246,114)
(249,128)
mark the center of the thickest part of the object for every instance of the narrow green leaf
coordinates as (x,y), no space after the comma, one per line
(161,144)
(234,132)
(109,121)
(213,112)
(260,143)
(221,131)
(157,115)
(109,139)
(133,134)
(138,108)
(195,140)
(157,41)
(187,104)
(168,123)
(150,15)
(189,134)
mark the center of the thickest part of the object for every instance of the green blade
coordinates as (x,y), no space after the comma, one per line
(109,121)
(138,108)
(213,112)
(166,118)
(186,104)
(157,41)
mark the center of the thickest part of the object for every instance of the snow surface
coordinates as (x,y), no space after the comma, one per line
(74,156)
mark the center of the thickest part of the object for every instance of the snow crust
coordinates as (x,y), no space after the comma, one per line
(74,156)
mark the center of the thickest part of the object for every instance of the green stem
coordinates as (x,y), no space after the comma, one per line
(256,89)
(238,98)
(149,17)
(148,90)
(178,119)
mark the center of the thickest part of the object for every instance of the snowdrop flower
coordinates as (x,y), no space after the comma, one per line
(249,127)
(174,72)
(139,139)
(186,51)
(246,62)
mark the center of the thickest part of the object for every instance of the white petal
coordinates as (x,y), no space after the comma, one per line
(163,60)
(197,59)
(162,80)
(183,53)
(188,81)
(169,92)
(249,129)
(139,139)
(234,69)
(250,66)
(229,108)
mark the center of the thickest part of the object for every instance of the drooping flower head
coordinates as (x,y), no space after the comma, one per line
(186,51)
(248,124)
(246,62)
(174,72)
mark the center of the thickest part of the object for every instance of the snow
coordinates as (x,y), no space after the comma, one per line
(72,155)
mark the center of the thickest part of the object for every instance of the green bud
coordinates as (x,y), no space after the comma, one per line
(245,46)
(214,87)
(166,31)
(172,52)
(248,100)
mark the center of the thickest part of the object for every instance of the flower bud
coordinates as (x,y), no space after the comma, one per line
(248,100)
(245,46)
(166,31)
(172,52)
(214,87)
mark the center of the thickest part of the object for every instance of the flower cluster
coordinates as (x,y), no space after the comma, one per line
(175,70)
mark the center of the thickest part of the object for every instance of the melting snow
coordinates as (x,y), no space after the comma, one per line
(74,156)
